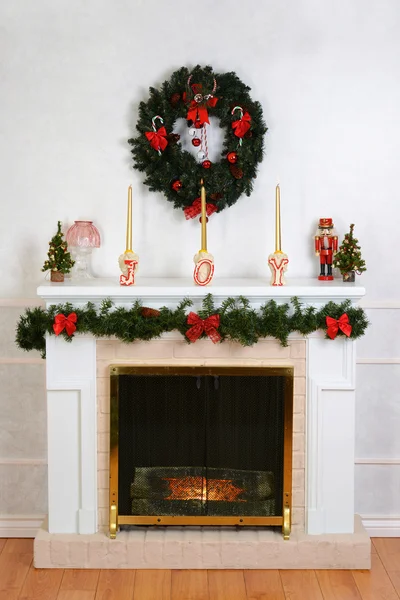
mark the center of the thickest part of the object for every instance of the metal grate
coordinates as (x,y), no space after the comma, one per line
(200,445)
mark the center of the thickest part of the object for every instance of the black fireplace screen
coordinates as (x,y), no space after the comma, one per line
(209,445)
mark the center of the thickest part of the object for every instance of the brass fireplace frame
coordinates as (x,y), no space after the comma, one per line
(284,521)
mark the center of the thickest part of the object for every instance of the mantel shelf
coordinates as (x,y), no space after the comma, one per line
(169,291)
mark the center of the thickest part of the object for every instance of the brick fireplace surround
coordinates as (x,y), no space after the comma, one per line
(325,531)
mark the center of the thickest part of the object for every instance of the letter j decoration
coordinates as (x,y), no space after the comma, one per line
(278,261)
(129,260)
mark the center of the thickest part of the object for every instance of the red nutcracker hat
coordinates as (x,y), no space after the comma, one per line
(328,223)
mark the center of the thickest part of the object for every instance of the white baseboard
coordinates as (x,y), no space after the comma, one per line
(20,526)
(26,526)
(382,526)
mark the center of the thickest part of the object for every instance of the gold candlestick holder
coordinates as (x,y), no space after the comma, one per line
(203,260)
(129,260)
(278,260)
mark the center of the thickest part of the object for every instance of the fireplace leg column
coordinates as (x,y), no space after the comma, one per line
(71,434)
(330,435)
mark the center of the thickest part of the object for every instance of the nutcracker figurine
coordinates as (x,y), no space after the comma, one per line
(326,245)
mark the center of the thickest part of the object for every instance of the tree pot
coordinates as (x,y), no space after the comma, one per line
(350,276)
(57,276)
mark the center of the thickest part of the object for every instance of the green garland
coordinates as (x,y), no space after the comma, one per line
(224,182)
(238,321)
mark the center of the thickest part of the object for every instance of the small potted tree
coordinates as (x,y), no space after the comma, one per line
(59,260)
(348,258)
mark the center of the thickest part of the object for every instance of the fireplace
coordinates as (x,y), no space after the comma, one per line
(324,530)
(201,446)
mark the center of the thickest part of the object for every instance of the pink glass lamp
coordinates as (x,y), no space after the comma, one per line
(81,237)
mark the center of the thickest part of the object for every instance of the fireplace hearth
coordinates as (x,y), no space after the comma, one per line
(197,445)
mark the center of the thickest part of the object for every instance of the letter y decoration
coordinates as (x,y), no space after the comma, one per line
(278,260)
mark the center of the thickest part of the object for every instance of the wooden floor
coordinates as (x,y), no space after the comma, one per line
(20,581)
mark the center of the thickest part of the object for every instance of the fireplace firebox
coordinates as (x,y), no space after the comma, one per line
(201,446)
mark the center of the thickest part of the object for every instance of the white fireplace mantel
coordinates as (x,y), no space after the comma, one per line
(158,292)
(71,394)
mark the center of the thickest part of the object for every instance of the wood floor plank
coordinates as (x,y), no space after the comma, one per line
(263,585)
(337,585)
(389,552)
(14,568)
(152,584)
(76,595)
(189,584)
(375,584)
(9,595)
(300,585)
(115,585)
(41,584)
(19,545)
(2,544)
(80,579)
(394,577)
(226,585)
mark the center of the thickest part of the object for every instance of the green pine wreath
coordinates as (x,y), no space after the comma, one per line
(174,171)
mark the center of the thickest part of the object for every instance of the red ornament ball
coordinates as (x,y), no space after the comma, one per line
(198,124)
(206,164)
(196,142)
(175,98)
(232,157)
(176,185)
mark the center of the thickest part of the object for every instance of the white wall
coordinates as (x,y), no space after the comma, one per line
(326,72)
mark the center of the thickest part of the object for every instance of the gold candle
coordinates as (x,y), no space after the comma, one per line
(129,222)
(203,218)
(278,219)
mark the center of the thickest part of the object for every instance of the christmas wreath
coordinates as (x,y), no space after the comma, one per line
(196,96)
(234,320)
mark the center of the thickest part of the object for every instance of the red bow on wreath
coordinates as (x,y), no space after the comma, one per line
(242,126)
(198,107)
(195,209)
(335,324)
(62,322)
(209,326)
(157,138)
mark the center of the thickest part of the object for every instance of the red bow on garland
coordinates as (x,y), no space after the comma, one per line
(241,126)
(157,138)
(195,209)
(335,324)
(208,325)
(198,110)
(62,322)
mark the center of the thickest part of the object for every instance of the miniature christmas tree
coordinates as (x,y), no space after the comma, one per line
(59,260)
(348,259)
